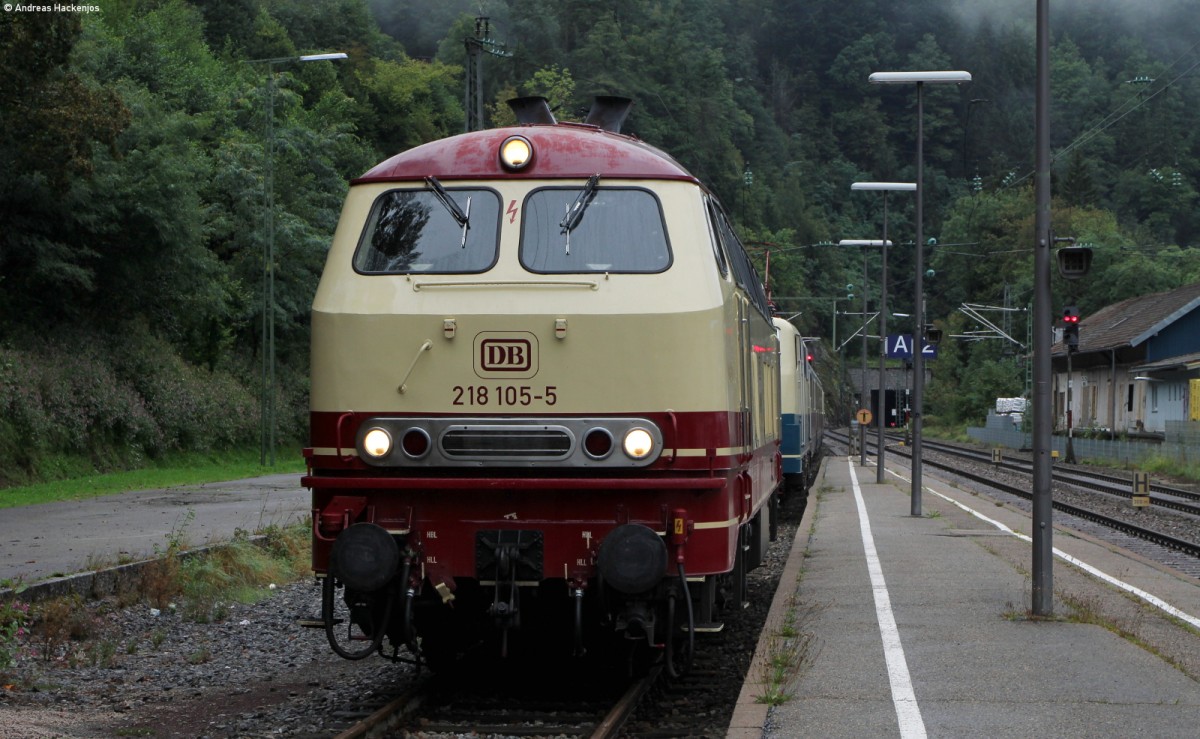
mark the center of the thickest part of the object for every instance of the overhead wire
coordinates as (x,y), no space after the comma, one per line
(1136,100)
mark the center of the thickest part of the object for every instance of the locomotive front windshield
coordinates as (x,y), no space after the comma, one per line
(417,231)
(598,229)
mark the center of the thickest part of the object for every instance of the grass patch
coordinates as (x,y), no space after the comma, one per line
(1156,464)
(239,571)
(172,471)
(956,432)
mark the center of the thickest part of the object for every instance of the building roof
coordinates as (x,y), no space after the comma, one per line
(1133,321)
(1186,362)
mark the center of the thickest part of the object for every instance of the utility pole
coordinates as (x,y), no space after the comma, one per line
(477,45)
(1043,503)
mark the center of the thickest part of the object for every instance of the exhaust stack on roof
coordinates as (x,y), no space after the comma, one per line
(531,110)
(609,112)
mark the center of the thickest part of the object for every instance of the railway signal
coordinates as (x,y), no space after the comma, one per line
(1071,328)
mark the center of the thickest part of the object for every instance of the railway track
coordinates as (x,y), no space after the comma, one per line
(561,699)
(1164,496)
(1187,546)
(469,705)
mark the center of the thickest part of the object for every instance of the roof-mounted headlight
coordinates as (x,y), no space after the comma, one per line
(515,152)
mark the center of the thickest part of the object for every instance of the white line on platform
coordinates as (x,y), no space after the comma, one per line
(1153,600)
(908,713)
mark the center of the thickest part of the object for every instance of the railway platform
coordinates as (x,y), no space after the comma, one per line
(50,542)
(921,626)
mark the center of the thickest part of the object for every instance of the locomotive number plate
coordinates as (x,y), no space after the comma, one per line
(503,396)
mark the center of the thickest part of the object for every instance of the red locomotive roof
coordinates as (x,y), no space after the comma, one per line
(566,150)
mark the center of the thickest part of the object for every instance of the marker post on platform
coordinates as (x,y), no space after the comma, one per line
(863,417)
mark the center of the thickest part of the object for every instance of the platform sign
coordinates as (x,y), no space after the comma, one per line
(1141,490)
(900,346)
(863,417)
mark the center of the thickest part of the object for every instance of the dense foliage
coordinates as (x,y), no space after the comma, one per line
(134,150)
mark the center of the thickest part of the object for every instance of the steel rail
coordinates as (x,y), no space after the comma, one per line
(1156,537)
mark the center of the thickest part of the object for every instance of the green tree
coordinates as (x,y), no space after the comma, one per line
(408,103)
(52,121)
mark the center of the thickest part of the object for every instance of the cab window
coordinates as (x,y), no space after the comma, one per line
(743,270)
(714,235)
(611,229)
(413,231)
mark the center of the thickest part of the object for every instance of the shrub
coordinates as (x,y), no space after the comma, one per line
(115,400)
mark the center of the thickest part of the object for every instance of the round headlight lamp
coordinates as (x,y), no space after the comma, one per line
(516,152)
(638,443)
(377,443)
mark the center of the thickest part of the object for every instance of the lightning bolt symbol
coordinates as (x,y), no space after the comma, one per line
(512,211)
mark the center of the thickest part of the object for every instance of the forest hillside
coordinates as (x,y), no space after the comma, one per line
(136,153)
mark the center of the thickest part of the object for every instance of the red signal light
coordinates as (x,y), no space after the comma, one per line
(808,357)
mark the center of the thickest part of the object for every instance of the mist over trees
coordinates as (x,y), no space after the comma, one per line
(133,146)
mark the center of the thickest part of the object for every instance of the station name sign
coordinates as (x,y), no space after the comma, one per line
(900,346)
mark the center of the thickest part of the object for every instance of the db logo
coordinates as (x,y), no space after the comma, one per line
(511,354)
(504,355)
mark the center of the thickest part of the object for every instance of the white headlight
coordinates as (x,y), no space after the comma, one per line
(515,152)
(377,443)
(638,443)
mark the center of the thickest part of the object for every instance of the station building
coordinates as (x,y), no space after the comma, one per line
(1137,368)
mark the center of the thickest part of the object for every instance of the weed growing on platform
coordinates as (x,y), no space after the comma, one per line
(792,644)
(790,650)
(1089,611)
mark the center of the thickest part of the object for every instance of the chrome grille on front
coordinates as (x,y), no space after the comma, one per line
(507,442)
(524,441)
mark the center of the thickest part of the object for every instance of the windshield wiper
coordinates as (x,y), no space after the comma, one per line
(461,218)
(575,210)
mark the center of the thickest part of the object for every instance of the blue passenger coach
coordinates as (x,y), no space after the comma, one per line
(801,409)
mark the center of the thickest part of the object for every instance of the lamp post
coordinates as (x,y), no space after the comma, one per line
(882,338)
(920,79)
(266,406)
(885,188)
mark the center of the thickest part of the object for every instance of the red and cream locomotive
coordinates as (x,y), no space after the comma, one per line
(545,398)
